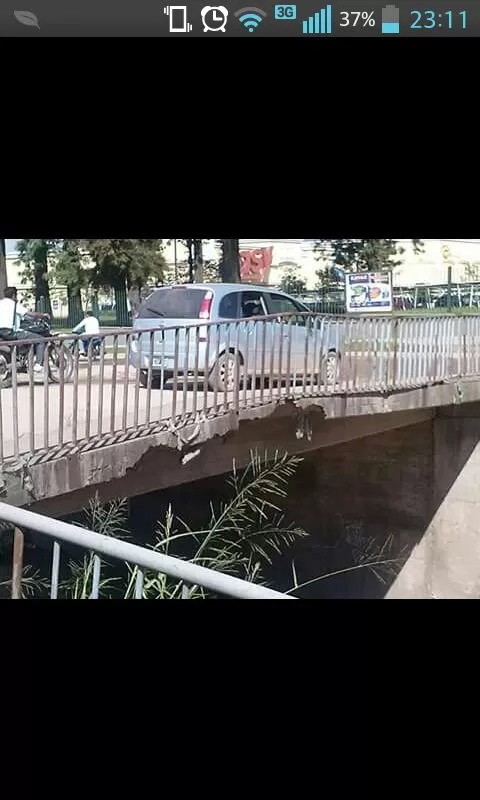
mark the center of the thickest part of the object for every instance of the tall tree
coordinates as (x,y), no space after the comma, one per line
(125,265)
(229,266)
(70,270)
(3,266)
(355,255)
(34,255)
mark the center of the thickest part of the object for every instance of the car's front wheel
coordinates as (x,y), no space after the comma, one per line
(330,367)
(5,371)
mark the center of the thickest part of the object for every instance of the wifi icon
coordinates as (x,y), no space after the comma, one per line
(250,17)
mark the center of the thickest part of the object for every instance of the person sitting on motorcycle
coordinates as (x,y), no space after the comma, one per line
(11,315)
(90,325)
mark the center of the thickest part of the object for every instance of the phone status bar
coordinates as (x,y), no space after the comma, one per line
(344,19)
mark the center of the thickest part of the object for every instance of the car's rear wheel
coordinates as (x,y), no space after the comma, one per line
(225,373)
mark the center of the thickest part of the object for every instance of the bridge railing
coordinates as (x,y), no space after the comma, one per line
(57,534)
(132,383)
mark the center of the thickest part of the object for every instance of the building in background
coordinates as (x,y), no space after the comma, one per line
(268,260)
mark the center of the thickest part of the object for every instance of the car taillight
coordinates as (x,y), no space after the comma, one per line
(206,307)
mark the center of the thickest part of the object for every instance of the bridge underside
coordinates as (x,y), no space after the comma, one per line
(143,463)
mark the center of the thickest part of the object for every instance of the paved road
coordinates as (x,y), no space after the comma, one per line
(130,407)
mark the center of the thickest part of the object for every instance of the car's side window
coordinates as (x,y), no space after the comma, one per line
(278,304)
(251,304)
(228,308)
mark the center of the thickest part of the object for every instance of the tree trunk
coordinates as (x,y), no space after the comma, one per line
(75,311)
(42,289)
(230,265)
(198,258)
(3,266)
(121,307)
(191,260)
(135,298)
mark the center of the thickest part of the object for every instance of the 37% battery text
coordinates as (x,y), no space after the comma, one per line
(357,19)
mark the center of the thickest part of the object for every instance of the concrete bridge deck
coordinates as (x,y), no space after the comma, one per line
(105,408)
(55,439)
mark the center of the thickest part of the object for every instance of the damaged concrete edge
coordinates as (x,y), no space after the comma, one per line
(24,483)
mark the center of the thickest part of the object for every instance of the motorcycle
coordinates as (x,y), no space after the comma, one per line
(54,353)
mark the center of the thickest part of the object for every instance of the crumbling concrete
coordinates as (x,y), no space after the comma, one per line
(142,466)
(148,459)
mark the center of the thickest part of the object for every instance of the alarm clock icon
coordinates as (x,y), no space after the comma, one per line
(214,18)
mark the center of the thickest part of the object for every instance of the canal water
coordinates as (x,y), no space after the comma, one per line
(339,558)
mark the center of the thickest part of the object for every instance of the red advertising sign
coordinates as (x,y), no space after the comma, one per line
(255,265)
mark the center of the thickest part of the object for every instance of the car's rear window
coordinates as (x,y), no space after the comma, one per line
(173,304)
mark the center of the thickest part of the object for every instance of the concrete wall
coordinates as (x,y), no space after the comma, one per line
(409,477)
(141,466)
(446,562)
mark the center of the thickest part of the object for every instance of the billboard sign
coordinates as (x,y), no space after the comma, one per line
(369,292)
(255,265)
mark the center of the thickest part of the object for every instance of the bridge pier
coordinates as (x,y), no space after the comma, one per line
(446,562)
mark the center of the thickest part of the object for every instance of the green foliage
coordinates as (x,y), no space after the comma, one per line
(109,520)
(34,255)
(131,261)
(354,255)
(70,266)
(291,284)
(244,534)
(210,268)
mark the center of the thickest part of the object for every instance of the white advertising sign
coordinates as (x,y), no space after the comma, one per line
(369,292)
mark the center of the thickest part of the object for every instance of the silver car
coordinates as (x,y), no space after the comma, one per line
(226,333)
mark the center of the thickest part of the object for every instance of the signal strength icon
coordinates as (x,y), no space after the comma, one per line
(321,22)
(250,17)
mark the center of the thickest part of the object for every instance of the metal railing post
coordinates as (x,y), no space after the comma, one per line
(17,567)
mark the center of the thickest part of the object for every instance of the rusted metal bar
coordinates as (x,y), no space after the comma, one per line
(139,581)
(55,571)
(186,364)
(97,567)
(262,360)
(88,404)
(195,369)
(126,383)
(17,566)
(61,392)
(46,398)
(113,395)
(101,381)
(148,404)
(227,361)
(76,368)
(138,364)
(31,398)
(16,444)
(175,373)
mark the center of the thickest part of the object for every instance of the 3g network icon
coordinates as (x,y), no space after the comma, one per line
(286,12)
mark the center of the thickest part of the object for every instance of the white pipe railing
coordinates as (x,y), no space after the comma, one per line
(191,574)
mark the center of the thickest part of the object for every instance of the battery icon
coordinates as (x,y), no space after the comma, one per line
(390,19)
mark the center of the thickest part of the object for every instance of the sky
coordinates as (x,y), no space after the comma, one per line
(10,244)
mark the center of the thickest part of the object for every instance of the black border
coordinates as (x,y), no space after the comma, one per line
(307,140)
(94,143)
